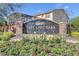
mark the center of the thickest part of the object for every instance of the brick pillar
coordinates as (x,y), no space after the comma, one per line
(19,29)
(62,29)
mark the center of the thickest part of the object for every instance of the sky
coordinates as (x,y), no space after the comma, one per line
(72,9)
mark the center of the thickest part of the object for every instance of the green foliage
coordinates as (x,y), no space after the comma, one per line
(6,9)
(57,51)
(2,22)
(6,36)
(75,35)
(43,53)
(39,47)
(2,37)
(9,34)
(75,24)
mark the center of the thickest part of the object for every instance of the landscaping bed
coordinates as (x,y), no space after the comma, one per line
(39,47)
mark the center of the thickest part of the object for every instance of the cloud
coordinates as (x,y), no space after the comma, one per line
(39,11)
(66,7)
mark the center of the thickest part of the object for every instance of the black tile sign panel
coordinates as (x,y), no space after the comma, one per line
(41,27)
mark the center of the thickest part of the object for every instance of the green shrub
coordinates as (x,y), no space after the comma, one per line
(6,36)
(70,52)
(75,35)
(43,53)
(39,47)
(2,37)
(24,52)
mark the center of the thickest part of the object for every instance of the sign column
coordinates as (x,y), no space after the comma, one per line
(19,29)
(62,29)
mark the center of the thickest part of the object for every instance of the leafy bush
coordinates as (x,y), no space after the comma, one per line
(39,47)
(6,36)
(43,53)
(75,24)
(75,35)
(9,34)
(57,51)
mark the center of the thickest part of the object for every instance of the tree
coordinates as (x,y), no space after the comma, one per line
(15,16)
(75,24)
(6,9)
